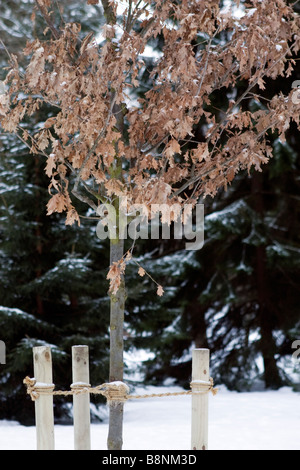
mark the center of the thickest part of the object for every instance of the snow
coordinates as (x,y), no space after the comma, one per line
(9,312)
(40,51)
(2,88)
(251,11)
(230,7)
(266,420)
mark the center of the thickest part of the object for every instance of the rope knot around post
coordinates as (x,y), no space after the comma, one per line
(115,392)
(203,386)
(35,389)
(79,388)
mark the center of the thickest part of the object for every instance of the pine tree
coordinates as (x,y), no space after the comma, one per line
(231,296)
(238,295)
(48,272)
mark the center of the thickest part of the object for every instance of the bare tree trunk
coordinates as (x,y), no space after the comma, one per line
(117,301)
(117,307)
(266,316)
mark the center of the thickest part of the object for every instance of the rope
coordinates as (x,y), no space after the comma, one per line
(114,392)
(201,386)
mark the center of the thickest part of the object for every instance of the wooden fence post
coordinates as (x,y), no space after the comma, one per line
(200,374)
(44,416)
(81,402)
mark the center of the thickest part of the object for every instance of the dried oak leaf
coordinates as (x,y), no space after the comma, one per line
(230,174)
(72,216)
(50,122)
(160,291)
(141,271)
(51,165)
(57,203)
(114,275)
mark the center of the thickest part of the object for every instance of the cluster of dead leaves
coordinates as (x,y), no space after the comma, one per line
(117,271)
(102,144)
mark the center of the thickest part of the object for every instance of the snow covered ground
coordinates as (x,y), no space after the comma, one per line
(266,420)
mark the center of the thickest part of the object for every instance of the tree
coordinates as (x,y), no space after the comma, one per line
(104,147)
(50,272)
(238,295)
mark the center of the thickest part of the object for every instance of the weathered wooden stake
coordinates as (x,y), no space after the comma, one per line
(81,402)
(44,415)
(200,374)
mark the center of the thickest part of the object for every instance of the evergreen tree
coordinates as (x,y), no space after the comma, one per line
(49,272)
(239,295)
(233,296)
(54,273)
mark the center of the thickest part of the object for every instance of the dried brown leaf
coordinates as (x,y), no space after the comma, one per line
(141,271)
(160,291)
(57,203)
(51,165)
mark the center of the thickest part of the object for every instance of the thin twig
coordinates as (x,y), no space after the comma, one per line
(47,18)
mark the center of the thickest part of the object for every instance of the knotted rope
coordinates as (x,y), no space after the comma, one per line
(201,386)
(114,392)
(35,390)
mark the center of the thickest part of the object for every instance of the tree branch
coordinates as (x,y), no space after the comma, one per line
(47,18)
(198,177)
